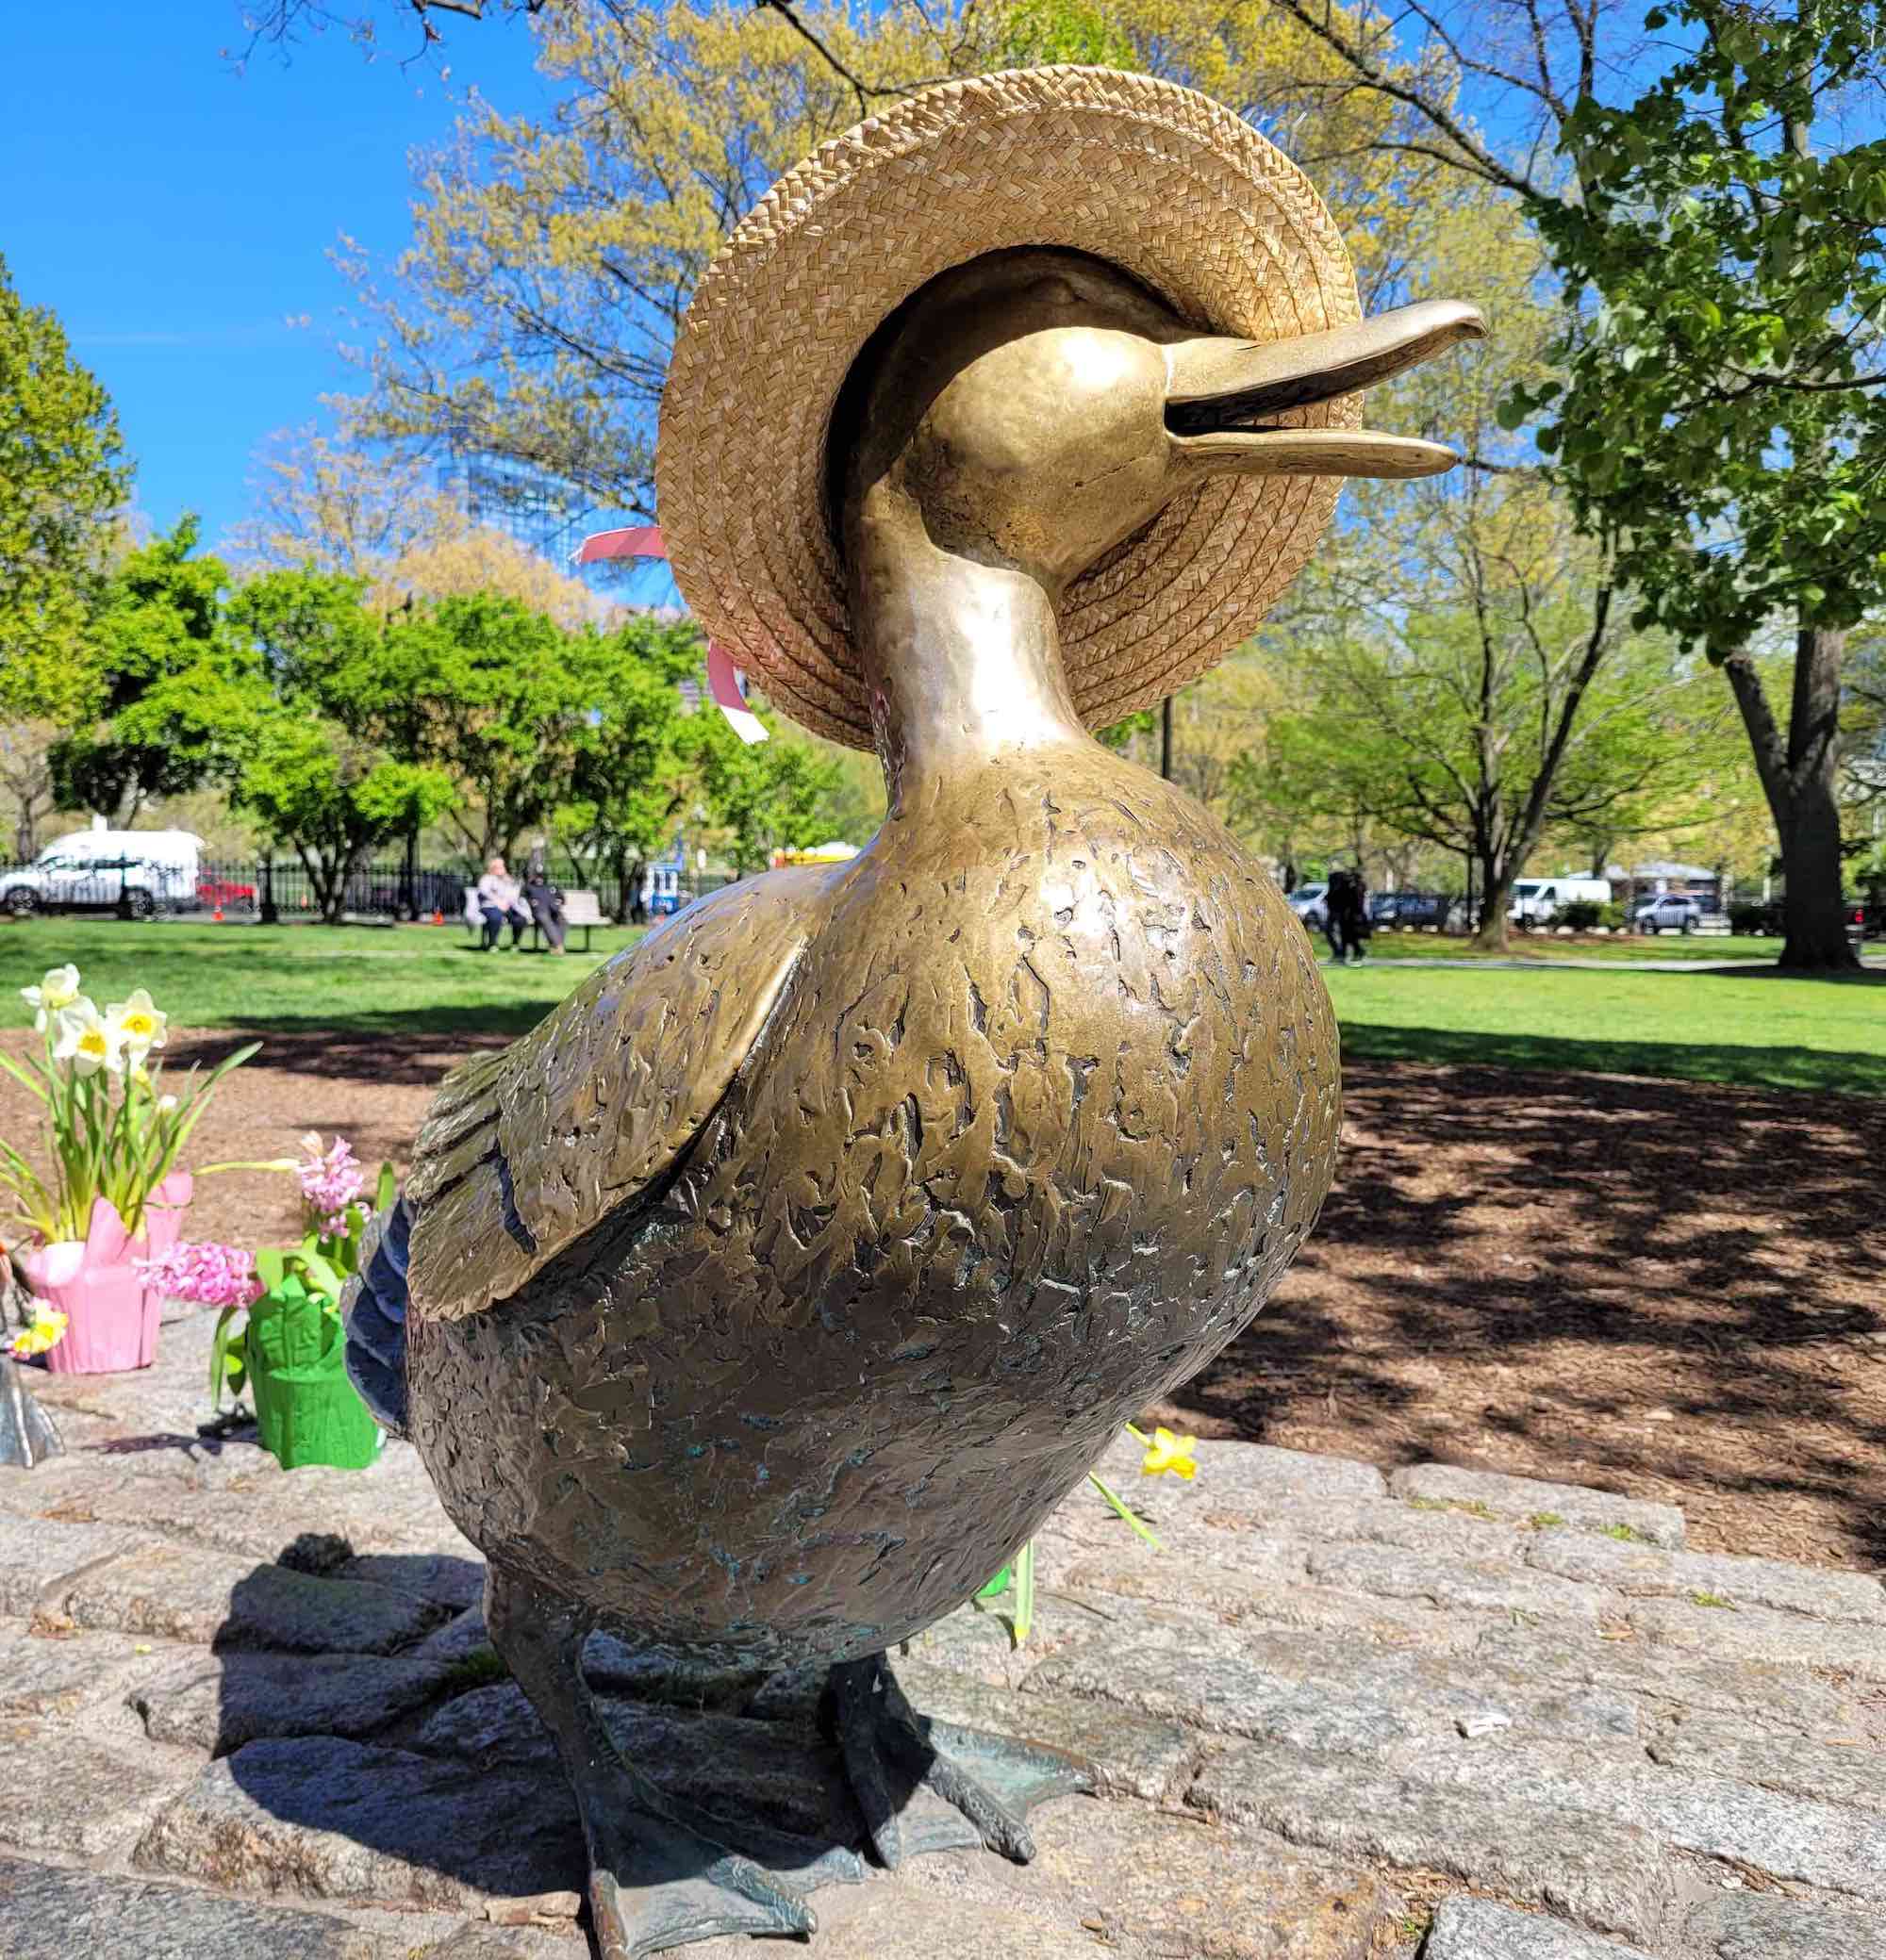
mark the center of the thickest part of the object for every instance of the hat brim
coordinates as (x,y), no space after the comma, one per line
(1158,180)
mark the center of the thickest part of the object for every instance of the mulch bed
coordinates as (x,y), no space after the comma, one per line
(1670,1289)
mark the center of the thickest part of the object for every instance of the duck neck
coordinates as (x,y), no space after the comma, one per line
(961,659)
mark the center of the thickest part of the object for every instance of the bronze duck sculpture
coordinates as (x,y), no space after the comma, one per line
(763,1299)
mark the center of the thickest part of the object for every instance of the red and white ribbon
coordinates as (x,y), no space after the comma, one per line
(725,682)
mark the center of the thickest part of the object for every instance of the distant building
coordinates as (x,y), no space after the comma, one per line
(542,512)
(1663,875)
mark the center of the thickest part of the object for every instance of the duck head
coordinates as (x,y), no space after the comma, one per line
(1039,406)
(1023,414)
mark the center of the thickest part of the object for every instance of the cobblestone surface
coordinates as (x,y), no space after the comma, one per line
(262,1711)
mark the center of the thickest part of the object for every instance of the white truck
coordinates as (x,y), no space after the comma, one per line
(1537,901)
(141,872)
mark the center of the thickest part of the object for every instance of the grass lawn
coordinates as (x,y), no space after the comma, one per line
(1760,1030)
(354,979)
(1620,947)
(1763,1029)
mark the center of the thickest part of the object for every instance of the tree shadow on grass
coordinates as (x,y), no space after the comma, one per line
(1674,1290)
(1841,1073)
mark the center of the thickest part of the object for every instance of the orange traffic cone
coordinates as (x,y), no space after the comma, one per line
(437,916)
(218,914)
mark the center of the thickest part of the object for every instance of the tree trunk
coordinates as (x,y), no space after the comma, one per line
(1799,777)
(1496,875)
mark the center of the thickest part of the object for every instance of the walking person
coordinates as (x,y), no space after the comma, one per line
(1355,925)
(499,900)
(1336,912)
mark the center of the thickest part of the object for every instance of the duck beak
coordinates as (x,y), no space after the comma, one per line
(1223,396)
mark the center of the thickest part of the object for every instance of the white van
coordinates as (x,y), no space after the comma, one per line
(136,871)
(1537,901)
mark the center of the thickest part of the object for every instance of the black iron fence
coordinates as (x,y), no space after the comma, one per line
(280,889)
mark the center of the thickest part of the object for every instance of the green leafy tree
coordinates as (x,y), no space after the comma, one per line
(769,796)
(62,475)
(498,697)
(331,797)
(1723,418)
(164,671)
(555,250)
(312,766)
(633,764)
(1712,199)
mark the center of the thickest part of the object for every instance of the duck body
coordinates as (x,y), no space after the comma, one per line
(1044,1102)
(767,1296)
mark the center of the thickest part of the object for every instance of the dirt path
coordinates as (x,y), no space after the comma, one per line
(1672,1290)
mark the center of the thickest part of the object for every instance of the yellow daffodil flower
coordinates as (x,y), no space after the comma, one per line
(58,988)
(1168,1452)
(141,1023)
(46,1329)
(83,1037)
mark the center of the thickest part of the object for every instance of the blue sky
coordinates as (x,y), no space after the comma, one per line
(175,213)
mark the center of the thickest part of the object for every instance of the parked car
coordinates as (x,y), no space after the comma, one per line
(1537,901)
(226,893)
(141,872)
(1307,902)
(1414,909)
(1668,911)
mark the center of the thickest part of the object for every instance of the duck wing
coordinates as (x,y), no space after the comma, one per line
(525,1151)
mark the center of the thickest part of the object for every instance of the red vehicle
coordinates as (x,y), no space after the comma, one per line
(212,892)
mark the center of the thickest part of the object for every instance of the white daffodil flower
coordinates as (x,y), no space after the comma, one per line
(85,1038)
(58,988)
(140,1023)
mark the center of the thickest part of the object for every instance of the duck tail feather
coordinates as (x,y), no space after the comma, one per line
(375,1309)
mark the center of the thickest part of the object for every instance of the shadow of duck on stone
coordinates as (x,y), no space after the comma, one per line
(371,1747)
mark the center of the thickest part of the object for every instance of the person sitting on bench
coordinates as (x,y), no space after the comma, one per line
(546,907)
(500,899)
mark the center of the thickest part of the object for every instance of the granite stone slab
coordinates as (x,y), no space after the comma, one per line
(1240,1475)
(1133,1755)
(1328,1696)
(1526,1498)
(1477,1929)
(1649,1572)
(1607,1875)
(182,1593)
(1175,1885)
(1759,1926)
(1728,1634)
(1846,1770)
(1484,1586)
(43,1673)
(36,1554)
(328,1818)
(786,1777)
(50,1914)
(1790,1839)
(1759,1693)
(219,1701)
(66,1794)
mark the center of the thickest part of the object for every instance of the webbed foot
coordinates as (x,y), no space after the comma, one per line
(890,1751)
(662,1872)
(654,1883)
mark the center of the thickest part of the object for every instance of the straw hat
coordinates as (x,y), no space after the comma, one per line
(1158,180)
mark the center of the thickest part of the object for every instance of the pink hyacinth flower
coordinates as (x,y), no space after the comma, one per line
(207,1274)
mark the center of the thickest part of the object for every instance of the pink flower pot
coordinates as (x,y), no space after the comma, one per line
(112,1316)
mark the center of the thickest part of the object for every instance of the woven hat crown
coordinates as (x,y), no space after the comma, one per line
(1158,180)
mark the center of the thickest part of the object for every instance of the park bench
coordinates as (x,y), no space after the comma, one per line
(580,909)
